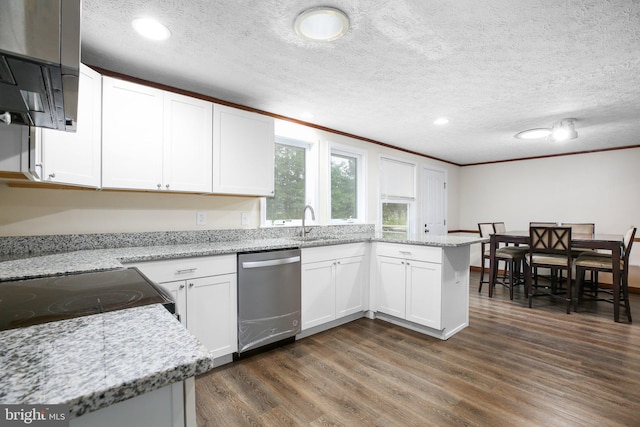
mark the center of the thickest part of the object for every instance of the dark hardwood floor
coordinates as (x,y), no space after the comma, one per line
(513,366)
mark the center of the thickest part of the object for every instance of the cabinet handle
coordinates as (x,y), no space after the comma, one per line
(52,175)
(405,252)
(408,263)
(191,285)
(338,262)
(186,270)
(402,262)
(167,186)
(181,286)
(159,186)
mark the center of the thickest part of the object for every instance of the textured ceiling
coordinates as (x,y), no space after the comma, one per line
(494,67)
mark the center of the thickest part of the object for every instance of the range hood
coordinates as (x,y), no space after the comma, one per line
(39,63)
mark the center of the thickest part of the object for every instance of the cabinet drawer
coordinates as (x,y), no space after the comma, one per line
(415,252)
(326,253)
(187,268)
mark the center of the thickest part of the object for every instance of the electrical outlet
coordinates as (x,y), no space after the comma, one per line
(201,218)
(244,218)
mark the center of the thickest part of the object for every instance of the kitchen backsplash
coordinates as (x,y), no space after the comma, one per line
(21,245)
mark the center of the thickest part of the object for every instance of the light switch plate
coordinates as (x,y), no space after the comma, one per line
(201,218)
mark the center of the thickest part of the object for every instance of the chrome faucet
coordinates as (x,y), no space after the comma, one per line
(304,231)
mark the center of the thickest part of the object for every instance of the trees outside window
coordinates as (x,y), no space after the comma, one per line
(344,187)
(288,200)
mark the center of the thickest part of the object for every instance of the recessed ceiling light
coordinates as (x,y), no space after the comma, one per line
(151,29)
(322,24)
(533,133)
(441,121)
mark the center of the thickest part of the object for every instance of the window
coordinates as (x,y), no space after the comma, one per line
(294,186)
(397,198)
(346,185)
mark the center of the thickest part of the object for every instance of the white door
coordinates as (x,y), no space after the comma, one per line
(178,291)
(187,143)
(349,286)
(212,314)
(434,202)
(74,158)
(318,293)
(391,286)
(424,293)
(243,152)
(131,135)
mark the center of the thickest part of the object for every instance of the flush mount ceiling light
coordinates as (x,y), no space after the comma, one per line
(322,24)
(441,121)
(564,130)
(533,133)
(151,29)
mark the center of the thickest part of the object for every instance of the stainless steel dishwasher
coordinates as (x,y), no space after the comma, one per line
(269,295)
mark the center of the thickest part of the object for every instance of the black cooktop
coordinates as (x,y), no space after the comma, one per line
(48,299)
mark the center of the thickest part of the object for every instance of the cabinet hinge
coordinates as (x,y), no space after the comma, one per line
(445,185)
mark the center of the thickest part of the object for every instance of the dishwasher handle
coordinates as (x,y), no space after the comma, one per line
(270,262)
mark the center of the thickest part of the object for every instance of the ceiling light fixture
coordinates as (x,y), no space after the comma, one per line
(441,121)
(533,133)
(322,24)
(151,29)
(563,130)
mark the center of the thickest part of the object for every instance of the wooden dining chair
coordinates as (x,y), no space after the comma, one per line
(541,224)
(603,262)
(512,256)
(549,247)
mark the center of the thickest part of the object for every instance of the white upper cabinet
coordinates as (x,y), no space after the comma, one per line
(187,143)
(74,158)
(154,140)
(243,152)
(131,135)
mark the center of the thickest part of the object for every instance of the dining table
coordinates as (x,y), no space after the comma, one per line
(608,242)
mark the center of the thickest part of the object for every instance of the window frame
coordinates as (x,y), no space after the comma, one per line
(311,186)
(361,181)
(411,202)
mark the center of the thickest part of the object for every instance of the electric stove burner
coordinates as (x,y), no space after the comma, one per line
(48,299)
(101,301)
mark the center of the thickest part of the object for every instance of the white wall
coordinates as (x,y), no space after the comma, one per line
(603,188)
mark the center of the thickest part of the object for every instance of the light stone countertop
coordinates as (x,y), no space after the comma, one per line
(92,362)
(28,267)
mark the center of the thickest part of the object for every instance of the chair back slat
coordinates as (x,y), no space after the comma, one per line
(552,240)
(581,228)
(499,227)
(542,224)
(486,229)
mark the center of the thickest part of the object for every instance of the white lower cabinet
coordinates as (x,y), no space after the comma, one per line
(206,307)
(333,283)
(424,285)
(205,291)
(410,283)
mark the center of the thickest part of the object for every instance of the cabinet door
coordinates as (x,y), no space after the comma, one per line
(424,293)
(212,312)
(178,291)
(74,158)
(349,286)
(243,152)
(391,295)
(131,135)
(188,142)
(318,294)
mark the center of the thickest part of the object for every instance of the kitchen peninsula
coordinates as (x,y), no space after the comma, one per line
(422,285)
